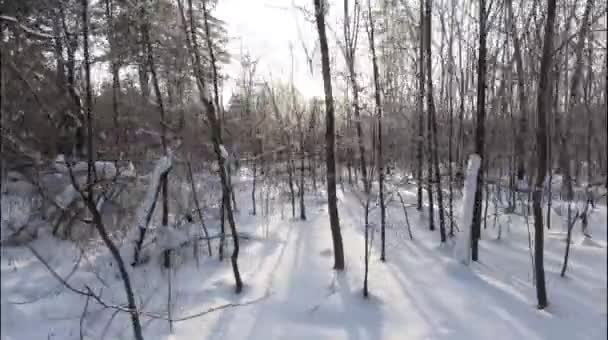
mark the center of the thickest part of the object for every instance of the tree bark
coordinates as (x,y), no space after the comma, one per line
(218,144)
(480,129)
(329,139)
(350,47)
(379,158)
(433,121)
(420,103)
(89,198)
(543,104)
(216,133)
(520,152)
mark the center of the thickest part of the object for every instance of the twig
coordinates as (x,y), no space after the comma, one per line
(84,313)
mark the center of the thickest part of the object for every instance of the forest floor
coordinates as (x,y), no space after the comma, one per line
(291,291)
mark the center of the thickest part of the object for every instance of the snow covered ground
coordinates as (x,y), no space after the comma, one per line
(291,291)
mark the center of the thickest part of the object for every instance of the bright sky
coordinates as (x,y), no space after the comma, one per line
(265,29)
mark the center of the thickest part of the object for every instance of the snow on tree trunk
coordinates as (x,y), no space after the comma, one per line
(463,246)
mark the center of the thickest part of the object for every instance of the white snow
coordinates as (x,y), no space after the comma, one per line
(223,151)
(420,292)
(66,197)
(463,244)
(170,238)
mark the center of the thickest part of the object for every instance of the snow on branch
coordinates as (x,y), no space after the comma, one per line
(224,152)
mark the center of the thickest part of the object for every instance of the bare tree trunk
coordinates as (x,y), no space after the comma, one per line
(302,158)
(329,140)
(520,153)
(198,207)
(420,103)
(606,112)
(218,144)
(379,158)
(220,249)
(433,121)
(480,129)
(543,103)
(114,69)
(163,122)
(253,185)
(292,192)
(90,198)
(451,121)
(216,133)
(350,37)
(569,227)
(574,98)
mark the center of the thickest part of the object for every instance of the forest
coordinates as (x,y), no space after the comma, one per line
(303,169)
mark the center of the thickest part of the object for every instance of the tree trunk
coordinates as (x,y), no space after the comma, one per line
(255,173)
(197,205)
(162,123)
(451,123)
(90,199)
(480,129)
(574,98)
(379,158)
(329,140)
(420,103)
(433,121)
(350,48)
(292,192)
(366,259)
(218,144)
(520,152)
(114,69)
(302,158)
(543,103)
(216,133)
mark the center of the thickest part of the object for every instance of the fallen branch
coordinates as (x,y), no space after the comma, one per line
(407,220)
(217,308)
(84,313)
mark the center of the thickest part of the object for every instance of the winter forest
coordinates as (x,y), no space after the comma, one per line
(303,169)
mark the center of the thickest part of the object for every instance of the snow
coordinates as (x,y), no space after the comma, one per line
(223,151)
(66,197)
(16,212)
(291,291)
(463,245)
(170,238)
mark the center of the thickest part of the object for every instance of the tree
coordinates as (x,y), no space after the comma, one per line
(564,158)
(433,126)
(211,114)
(480,128)
(420,140)
(379,159)
(350,46)
(89,197)
(330,160)
(543,105)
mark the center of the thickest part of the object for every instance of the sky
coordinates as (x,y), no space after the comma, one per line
(265,29)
